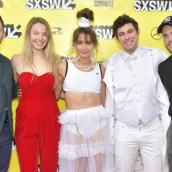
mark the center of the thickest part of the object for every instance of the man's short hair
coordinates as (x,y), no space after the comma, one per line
(2,22)
(122,20)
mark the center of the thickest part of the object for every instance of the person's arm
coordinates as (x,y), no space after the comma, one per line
(59,88)
(62,96)
(14,88)
(103,87)
(15,61)
(61,76)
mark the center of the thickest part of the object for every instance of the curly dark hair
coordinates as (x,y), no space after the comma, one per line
(2,22)
(88,14)
(121,21)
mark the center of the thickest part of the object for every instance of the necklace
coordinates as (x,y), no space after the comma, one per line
(75,59)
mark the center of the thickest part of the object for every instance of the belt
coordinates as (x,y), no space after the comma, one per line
(6,121)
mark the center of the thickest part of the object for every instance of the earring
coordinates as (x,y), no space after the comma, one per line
(69,51)
(93,60)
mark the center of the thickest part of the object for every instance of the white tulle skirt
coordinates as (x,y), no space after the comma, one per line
(85,144)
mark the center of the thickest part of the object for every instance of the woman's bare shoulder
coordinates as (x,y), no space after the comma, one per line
(16,59)
(62,64)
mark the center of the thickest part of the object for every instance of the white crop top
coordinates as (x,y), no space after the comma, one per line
(78,81)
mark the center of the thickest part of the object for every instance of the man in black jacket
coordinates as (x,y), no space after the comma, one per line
(8,90)
(165,72)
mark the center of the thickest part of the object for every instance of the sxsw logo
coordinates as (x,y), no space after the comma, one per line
(53,4)
(11,32)
(57,31)
(104,32)
(153,5)
(1,4)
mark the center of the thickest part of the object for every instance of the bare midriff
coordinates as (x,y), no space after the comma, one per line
(82,100)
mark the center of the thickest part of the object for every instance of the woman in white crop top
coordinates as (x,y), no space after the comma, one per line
(85,144)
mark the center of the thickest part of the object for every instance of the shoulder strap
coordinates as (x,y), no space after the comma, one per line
(100,70)
(66,68)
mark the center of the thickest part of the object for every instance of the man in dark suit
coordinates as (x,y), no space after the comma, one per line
(8,90)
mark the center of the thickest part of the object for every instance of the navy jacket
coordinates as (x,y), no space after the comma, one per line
(8,90)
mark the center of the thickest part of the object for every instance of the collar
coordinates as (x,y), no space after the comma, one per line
(125,55)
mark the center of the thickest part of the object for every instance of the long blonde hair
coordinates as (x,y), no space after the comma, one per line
(27,54)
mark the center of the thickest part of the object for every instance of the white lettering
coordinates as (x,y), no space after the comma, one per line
(11,34)
(65,6)
(145,6)
(152,5)
(37,5)
(170,6)
(137,6)
(55,4)
(45,4)
(99,33)
(29,5)
(162,6)
(107,33)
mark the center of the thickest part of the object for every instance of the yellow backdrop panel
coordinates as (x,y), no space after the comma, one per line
(61,15)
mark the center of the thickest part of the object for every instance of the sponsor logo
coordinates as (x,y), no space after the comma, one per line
(57,31)
(104,32)
(10,32)
(154,34)
(52,4)
(153,5)
(167,20)
(1,4)
(104,3)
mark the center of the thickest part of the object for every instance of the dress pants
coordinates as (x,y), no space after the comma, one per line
(128,140)
(169,146)
(5,148)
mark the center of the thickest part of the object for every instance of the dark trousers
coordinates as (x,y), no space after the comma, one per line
(5,148)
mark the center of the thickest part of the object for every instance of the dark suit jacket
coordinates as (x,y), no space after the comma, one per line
(8,90)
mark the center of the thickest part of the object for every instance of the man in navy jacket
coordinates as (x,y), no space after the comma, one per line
(8,90)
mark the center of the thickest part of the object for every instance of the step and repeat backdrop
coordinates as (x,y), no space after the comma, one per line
(61,15)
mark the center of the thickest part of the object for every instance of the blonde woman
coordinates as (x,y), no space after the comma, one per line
(37,128)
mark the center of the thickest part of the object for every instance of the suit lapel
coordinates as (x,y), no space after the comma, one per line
(1,66)
(108,76)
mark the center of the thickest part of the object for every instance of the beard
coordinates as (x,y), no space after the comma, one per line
(169,49)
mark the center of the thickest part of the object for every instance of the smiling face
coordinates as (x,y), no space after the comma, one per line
(167,37)
(38,36)
(127,36)
(84,46)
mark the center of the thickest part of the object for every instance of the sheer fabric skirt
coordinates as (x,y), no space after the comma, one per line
(85,144)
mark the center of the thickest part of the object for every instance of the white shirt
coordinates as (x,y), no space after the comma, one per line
(130,60)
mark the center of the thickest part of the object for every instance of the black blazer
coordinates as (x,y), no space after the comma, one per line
(8,90)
